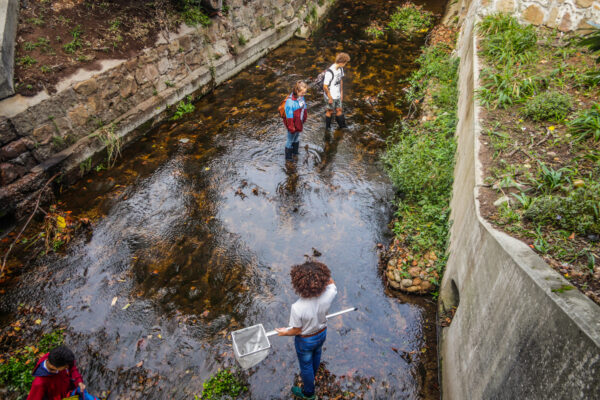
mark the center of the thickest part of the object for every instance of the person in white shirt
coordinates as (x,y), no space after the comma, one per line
(333,90)
(308,323)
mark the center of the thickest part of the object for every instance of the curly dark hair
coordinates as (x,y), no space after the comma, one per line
(310,279)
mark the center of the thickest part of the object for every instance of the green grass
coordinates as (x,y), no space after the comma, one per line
(420,158)
(411,19)
(505,41)
(15,373)
(224,384)
(192,13)
(587,123)
(26,61)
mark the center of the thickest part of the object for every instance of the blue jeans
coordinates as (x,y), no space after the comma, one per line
(292,138)
(309,357)
(86,395)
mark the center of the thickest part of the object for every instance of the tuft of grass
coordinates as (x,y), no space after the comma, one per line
(505,41)
(548,106)
(26,61)
(411,19)
(587,123)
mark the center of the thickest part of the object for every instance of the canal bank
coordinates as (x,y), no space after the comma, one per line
(195,228)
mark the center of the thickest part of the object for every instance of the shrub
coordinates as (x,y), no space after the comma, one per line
(587,122)
(579,211)
(15,373)
(192,13)
(411,19)
(548,106)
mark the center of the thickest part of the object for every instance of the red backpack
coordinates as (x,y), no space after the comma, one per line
(281,108)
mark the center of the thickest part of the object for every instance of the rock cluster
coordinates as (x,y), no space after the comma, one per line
(409,273)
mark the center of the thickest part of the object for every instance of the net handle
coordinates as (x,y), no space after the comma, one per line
(335,314)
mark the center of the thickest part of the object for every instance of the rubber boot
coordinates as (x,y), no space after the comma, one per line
(295,148)
(341,121)
(289,154)
(328,123)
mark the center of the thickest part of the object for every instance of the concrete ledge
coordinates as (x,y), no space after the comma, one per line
(9,18)
(512,337)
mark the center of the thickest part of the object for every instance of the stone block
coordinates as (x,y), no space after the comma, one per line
(44,152)
(288,12)
(565,23)
(128,86)
(43,133)
(7,131)
(163,65)
(584,3)
(173,47)
(186,43)
(552,18)
(534,15)
(78,116)
(14,149)
(506,6)
(10,173)
(9,17)
(86,88)
(25,160)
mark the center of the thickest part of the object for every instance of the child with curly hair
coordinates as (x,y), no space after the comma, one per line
(308,323)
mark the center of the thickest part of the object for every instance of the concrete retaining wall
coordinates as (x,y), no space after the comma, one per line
(512,337)
(44,135)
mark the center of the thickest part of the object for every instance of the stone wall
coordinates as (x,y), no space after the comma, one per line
(44,135)
(564,15)
(513,335)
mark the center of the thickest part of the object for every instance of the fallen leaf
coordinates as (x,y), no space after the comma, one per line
(60,222)
(572,236)
(38,321)
(126,306)
(140,364)
(114,301)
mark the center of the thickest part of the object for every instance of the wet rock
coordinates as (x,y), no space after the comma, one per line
(426,286)
(406,283)
(392,263)
(414,271)
(194,293)
(413,289)
(417,281)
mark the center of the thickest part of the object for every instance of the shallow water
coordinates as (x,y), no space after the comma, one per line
(199,237)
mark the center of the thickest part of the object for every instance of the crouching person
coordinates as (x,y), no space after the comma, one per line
(56,377)
(308,322)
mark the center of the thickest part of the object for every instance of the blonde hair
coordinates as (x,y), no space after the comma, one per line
(300,85)
(342,58)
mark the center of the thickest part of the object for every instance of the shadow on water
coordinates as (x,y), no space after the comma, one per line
(199,223)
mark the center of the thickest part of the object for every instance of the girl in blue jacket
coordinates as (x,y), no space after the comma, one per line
(295,116)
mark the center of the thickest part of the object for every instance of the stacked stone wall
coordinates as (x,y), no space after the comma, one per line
(56,133)
(564,15)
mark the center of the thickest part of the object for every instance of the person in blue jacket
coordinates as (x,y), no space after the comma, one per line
(295,116)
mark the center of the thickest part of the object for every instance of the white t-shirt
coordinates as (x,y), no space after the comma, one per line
(334,81)
(309,314)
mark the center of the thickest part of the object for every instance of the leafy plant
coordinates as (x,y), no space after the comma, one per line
(76,43)
(411,19)
(374,30)
(183,108)
(587,122)
(15,373)
(26,61)
(551,178)
(548,106)
(223,384)
(242,40)
(505,87)
(592,41)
